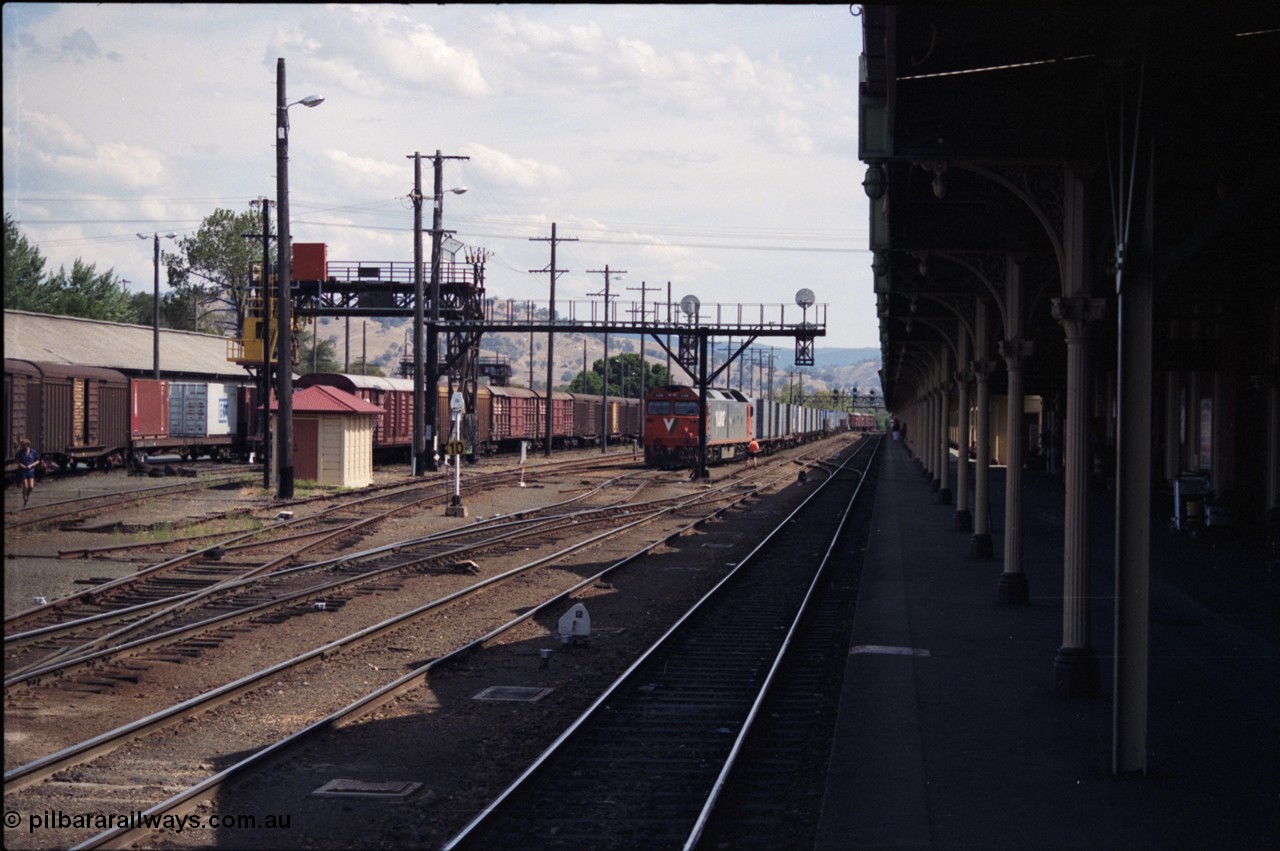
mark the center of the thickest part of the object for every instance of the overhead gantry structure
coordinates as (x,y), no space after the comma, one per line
(466,314)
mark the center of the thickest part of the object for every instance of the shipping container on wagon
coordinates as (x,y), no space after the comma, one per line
(200,410)
(148,412)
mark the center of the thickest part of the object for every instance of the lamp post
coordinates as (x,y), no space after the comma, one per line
(155,305)
(425,413)
(284,334)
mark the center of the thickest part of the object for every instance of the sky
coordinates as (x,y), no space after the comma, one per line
(712,147)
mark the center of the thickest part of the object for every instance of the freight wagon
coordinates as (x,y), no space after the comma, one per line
(71,414)
(504,417)
(94,416)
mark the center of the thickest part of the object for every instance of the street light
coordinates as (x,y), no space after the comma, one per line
(433,331)
(284,335)
(425,413)
(155,307)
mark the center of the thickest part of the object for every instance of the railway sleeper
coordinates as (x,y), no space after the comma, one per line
(170,657)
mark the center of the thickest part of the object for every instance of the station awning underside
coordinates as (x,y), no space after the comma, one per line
(971,119)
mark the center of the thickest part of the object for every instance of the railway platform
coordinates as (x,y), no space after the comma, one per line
(950,735)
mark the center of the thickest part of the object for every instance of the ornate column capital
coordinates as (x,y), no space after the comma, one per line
(982,368)
(1077,313)
(1014,351)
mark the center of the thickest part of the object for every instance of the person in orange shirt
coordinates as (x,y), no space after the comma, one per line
(753,449)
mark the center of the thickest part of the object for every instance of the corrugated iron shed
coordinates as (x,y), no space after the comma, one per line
(128,348)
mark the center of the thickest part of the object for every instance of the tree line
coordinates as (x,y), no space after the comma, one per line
(209,276)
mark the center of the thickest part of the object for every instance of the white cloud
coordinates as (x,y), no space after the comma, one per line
(507,170)
(48,134)
(696,144)
(357,169)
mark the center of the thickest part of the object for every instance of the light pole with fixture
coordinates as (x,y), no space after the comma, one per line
(284,334)
(155,306)
(425,413)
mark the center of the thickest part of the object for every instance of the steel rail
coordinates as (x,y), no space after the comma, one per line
(722,778)
(177,561)
(189,798)
(80,623)
(15,520)
(533,526)
(580,723)
(92,650)
(22,776)
(288,558)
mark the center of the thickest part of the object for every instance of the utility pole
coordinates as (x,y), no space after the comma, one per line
(284,256)
(426,387)
(264,330)
(668,346)
(554,273)
(643,288)
(418,455)
(604,392)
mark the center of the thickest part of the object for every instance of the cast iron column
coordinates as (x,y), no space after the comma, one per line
(1075,667)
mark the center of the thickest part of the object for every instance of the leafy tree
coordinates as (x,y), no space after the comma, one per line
(179,310)
(359,367)
(624,376)
(587,382)
(88,293)
(23,272)
(214,267)
(321,358)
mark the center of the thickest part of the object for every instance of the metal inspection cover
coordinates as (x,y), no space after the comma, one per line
(527,694)
(344,788)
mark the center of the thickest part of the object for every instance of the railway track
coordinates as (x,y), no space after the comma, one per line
(647,763)
(198,569)
(287,592)
(117,739)
(79,508)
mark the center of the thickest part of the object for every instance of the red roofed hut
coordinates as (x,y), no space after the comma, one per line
(332,437)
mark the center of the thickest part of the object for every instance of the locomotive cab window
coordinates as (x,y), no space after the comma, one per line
(659,408)
(686,409)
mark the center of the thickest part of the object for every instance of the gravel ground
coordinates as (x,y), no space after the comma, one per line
(460,749)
